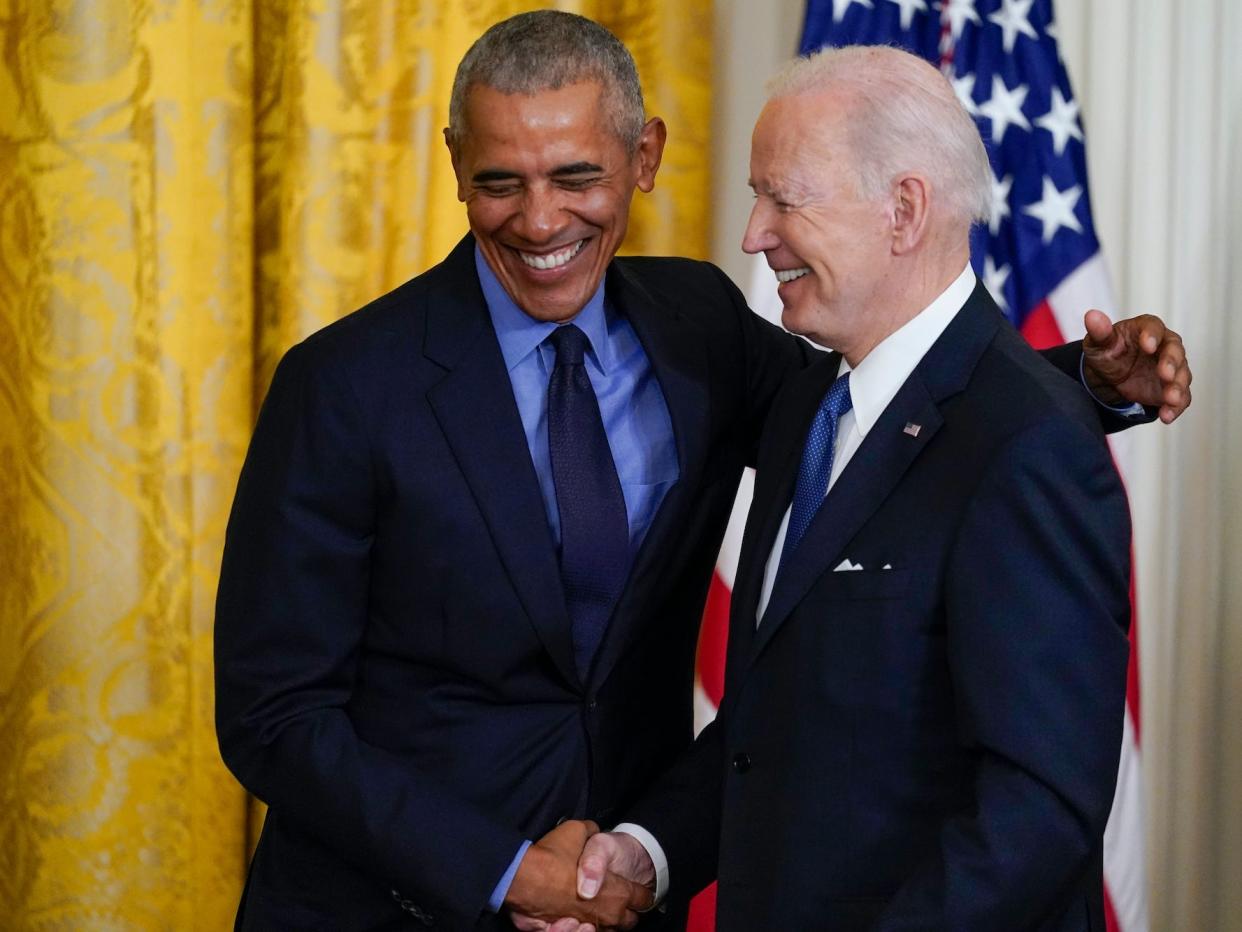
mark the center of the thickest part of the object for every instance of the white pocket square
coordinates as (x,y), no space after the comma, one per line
(845,565)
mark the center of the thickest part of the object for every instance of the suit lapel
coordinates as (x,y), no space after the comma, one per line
(675,348)
(880,462)
(777,471)
(475,408)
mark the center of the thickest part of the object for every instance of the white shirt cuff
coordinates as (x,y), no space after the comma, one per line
(654,851)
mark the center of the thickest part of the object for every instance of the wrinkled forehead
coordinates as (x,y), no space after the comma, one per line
(800,134)
(566,123)
(588,103)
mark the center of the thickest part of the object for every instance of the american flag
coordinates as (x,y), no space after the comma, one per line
(1038,256)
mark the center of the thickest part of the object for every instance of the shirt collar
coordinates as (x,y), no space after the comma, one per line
(883,371)
(520,334)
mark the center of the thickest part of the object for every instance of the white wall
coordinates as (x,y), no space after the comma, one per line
(1161,91)
(752,41)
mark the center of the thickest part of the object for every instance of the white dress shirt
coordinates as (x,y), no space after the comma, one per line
(872,386)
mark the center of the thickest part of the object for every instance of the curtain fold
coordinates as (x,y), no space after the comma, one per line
(1161,92)
(187,187)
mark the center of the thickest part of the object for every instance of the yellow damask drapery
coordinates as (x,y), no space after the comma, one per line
(186,188)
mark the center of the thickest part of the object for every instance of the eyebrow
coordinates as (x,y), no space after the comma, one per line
(576,168)
(492,175)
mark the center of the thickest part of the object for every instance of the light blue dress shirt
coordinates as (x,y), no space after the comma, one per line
(631,405)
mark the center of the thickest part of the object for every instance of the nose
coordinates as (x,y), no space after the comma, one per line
(543,215)
(759,236)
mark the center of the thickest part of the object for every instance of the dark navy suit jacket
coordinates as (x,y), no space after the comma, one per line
(932,746)
(394,669)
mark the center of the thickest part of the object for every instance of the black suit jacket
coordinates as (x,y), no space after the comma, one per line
(394,668)
(932,745)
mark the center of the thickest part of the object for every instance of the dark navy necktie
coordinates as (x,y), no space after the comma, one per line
(816,467)
(595,536)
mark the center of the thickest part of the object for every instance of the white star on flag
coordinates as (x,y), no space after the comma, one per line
(1000,202)
(1004,108)
(908,8)
(964,88)
(1061,120)
(839,8)
(958,12)
(1055,209)
(994,280)
(1013,18)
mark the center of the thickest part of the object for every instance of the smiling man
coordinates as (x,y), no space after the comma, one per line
(471,542)
(927,650)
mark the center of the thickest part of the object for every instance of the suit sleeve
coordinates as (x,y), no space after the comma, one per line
(290,617)
(1037,605)
(682,810)
(1068,357)
(770,355)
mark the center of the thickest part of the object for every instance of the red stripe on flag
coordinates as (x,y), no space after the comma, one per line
(703,911)
(1040,329)
(713,639)
(1110,915)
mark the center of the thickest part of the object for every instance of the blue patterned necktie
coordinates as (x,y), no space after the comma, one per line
(595,536)
(816,466)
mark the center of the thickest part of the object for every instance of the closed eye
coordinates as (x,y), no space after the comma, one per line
(578,183)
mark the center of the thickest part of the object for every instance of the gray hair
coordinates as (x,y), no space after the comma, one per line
(547,50)
(905,117)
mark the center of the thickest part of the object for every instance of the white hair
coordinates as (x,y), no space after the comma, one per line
(904,116)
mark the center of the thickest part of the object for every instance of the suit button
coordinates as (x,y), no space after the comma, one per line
(592,706)
(741,762)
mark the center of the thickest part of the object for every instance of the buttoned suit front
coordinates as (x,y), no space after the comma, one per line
(930,741)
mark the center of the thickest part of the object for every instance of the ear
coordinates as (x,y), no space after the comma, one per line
(455,157)
(911,203)
(649,153)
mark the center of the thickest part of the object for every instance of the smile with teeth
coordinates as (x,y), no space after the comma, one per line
(553,260)
(788,275)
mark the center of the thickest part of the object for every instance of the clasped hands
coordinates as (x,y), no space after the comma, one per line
(578,879)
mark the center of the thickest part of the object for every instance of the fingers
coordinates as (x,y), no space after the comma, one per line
(1099,327)
(1151,332)
(530,923)
(569,924)
(619,903)
(1172,355)
(568,838)
(1172,410)
(1175,376)
(593,866)
(642,898)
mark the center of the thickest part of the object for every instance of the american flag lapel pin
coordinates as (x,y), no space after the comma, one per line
(912,429)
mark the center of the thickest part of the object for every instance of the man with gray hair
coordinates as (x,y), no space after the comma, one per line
(927,654)
(471,541)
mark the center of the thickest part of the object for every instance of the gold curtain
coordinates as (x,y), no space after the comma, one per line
(186,188)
